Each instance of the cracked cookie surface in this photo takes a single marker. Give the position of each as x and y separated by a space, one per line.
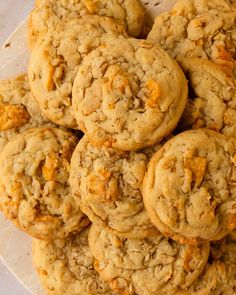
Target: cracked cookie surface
65 267
18 109
156 265
189 188
130 98
212 101
35 194
55 61
107 184
49 13
204 29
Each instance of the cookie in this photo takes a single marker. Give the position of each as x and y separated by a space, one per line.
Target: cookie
128 94
156 265
49 13
212 102
34 189
219 274
65 267
107 184
55 61
201 29
18 109
189 188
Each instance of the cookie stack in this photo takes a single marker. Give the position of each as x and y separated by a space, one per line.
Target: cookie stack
118 154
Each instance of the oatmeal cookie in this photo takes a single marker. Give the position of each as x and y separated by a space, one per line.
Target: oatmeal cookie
34 188
54 63
49 13
128 94
18 109
194 28
107 183
65 267
219 275
189 188
151 266
212 101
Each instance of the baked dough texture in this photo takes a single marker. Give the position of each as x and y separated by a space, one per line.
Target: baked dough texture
55 60
204 29
34 189
50 13
156 265
219 274
65 267
212 101
107 184
128 94
189 188
18 109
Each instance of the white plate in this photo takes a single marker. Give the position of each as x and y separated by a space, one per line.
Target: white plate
15 246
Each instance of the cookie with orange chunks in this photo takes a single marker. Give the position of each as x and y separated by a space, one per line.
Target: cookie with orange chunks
200 29
128 94
18 109
189 188
34 188
106 182
49 13
156 265
55 60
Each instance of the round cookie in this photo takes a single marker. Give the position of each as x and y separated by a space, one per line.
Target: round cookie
18 109
49 13
34 189
212 102
219 275
65 267
189 188
156 265
107 184
55 61
128 94
204 29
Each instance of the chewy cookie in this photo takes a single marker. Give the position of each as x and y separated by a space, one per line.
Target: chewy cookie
55 61
65 267
18 109
34 188
128 94
194 28
156 265
49 13
219 275
212 102
107 183
189 188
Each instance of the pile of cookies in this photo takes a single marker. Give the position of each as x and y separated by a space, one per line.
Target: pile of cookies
118 154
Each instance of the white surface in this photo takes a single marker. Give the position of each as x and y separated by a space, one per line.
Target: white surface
15 246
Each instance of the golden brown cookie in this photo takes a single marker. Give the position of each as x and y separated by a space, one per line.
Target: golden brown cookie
128 94
55 61
189 188
107 184
34 189
212 101
65 267
156 265
50 13
203 29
